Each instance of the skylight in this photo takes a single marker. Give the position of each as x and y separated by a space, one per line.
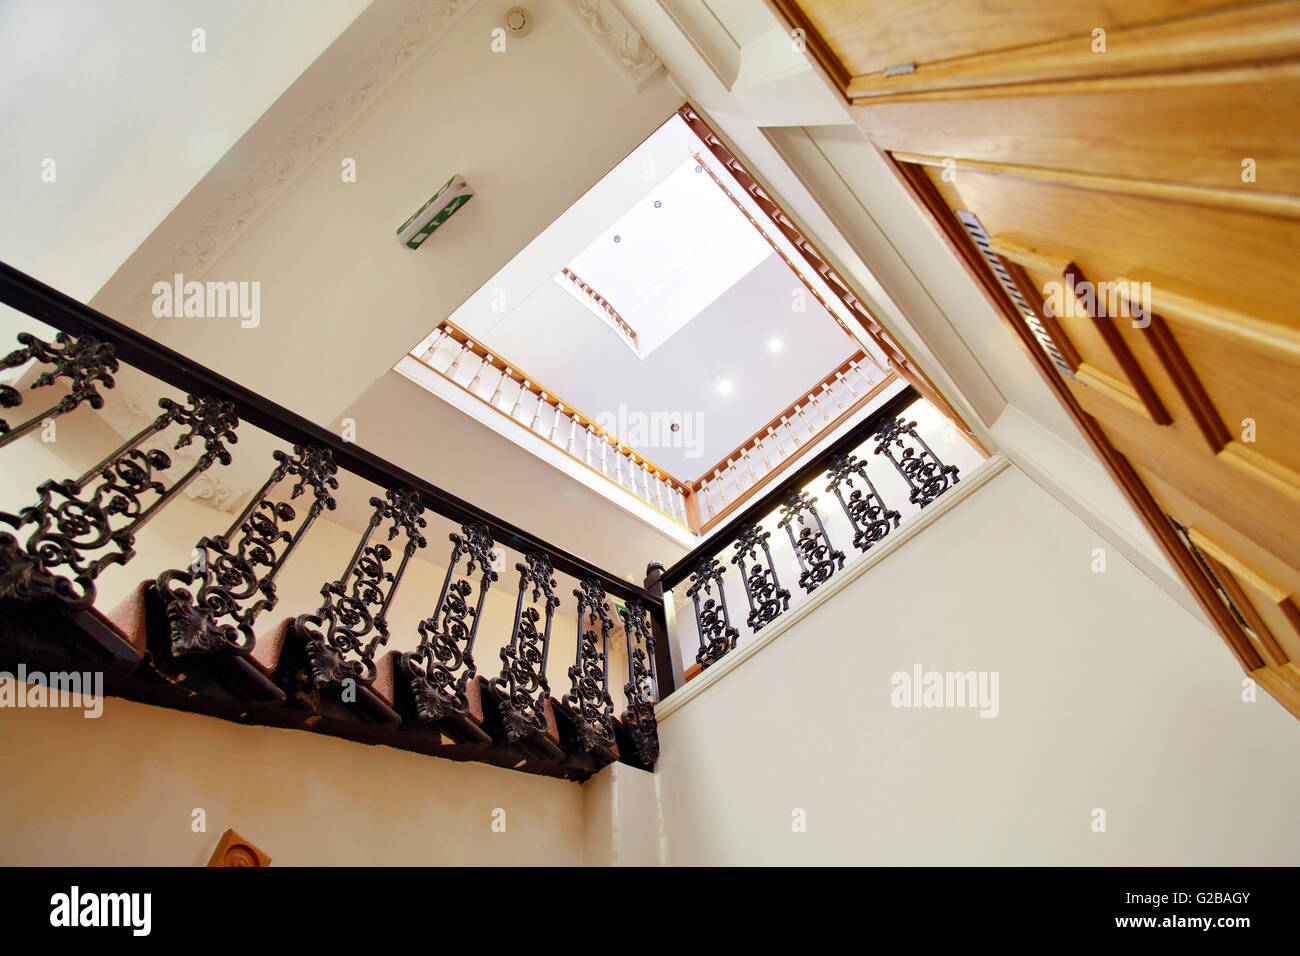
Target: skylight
665 260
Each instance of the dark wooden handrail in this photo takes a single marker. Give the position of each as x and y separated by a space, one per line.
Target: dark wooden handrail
54 308
768 502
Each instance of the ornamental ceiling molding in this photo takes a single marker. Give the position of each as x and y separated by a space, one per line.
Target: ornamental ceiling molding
620 40
320 126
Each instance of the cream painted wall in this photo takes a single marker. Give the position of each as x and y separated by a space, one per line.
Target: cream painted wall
123 789
1111 696
132 116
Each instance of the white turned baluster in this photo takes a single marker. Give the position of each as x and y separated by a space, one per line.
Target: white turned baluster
604 457
537 413
790 428
505 377
722 490
708 504
589 436
839 377
659 490
524 389
573 432
735 475
817 403
753 479
762 450
486 362
645 483
827 390
455 364
804 418
618 464
776 440
436 344
555 423
678 499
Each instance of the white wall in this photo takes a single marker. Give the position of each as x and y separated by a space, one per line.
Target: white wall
1111 696
131 114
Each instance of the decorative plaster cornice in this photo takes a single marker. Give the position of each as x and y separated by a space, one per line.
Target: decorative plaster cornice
319 127
620 40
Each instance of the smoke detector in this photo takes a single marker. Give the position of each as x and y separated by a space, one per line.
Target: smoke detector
519 21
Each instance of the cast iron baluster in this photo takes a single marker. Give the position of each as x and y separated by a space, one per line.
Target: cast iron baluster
521 689
927 476
218 614
67 534
717 636
82 361
866 510
351 627
818 559
588 698
767 598
442 666
641 689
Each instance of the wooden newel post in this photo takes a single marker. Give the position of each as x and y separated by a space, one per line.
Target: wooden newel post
663 626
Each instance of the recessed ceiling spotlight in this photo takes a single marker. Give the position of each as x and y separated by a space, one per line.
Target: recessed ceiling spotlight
658 204
699 169
725 385
618 238
775 345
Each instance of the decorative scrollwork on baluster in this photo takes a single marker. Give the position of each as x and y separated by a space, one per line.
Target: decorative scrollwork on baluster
818 558
354 615
871 518
641 689
82 361
926 475
767 598
717 636
237 576
521 689
588 698
95 522
442 666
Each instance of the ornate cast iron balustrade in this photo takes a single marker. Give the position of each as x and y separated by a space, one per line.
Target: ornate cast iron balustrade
640 690
588 699
521 689
766 597
818 558
442 666
202 626
80 526
717 636
236 571
871 518
844 473
82 362
351 625
906 451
